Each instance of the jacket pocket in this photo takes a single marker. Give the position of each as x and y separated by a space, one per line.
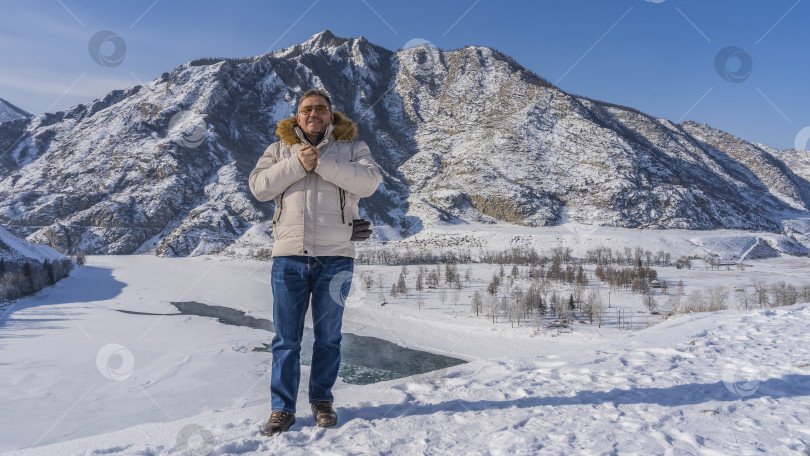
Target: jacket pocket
287 217
330 232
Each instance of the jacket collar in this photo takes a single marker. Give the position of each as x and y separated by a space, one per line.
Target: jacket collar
342 129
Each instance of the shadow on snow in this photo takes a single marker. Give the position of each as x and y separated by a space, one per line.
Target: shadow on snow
793 385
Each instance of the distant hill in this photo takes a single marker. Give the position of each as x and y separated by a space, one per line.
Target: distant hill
10 112
15 249
465 135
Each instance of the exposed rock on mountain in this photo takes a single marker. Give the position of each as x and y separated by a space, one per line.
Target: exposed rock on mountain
462 135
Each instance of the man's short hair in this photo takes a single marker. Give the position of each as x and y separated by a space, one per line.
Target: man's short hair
316 93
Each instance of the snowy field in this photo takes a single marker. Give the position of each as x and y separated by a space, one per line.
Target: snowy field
78 377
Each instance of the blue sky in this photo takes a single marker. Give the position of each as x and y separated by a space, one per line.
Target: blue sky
663 57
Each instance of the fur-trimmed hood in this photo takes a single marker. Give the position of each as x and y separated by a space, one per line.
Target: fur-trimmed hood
343 129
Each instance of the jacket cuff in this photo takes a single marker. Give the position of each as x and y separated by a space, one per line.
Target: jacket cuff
295 167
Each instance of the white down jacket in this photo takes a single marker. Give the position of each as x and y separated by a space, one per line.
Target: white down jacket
314 211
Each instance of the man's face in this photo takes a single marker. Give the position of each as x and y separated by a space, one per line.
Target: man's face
317 119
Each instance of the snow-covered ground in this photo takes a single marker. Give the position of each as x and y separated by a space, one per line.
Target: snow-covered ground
78 377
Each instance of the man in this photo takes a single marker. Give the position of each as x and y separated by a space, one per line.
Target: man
316 175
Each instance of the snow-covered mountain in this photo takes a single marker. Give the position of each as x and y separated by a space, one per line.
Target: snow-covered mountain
466 135
10 112
16 250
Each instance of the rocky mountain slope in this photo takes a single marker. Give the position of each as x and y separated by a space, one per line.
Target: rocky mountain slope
16 250
10 112
461 135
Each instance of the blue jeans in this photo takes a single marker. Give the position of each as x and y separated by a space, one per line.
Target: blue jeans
296 279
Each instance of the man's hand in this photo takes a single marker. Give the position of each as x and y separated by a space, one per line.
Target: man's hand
308 155
361 230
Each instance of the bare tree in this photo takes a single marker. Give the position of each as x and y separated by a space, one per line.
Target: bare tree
674 303
477 303
718 298
515 306
505 305
761 292
747 300
805 294
492 307
433 279
381 284
11 286
649 300
450 273
695 302
589 307
494 284
367 279
784 294
598 310
402 287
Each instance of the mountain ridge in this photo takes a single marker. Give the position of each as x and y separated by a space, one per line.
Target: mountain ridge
9 112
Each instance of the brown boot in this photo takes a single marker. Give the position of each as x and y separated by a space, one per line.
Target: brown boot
279 422
325 415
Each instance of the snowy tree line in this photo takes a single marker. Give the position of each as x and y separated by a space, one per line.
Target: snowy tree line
635 279
392 256
503 297
553 284
522 256
758 295
776 294
21 279
554 287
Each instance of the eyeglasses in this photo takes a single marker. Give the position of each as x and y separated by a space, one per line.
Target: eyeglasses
320 109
